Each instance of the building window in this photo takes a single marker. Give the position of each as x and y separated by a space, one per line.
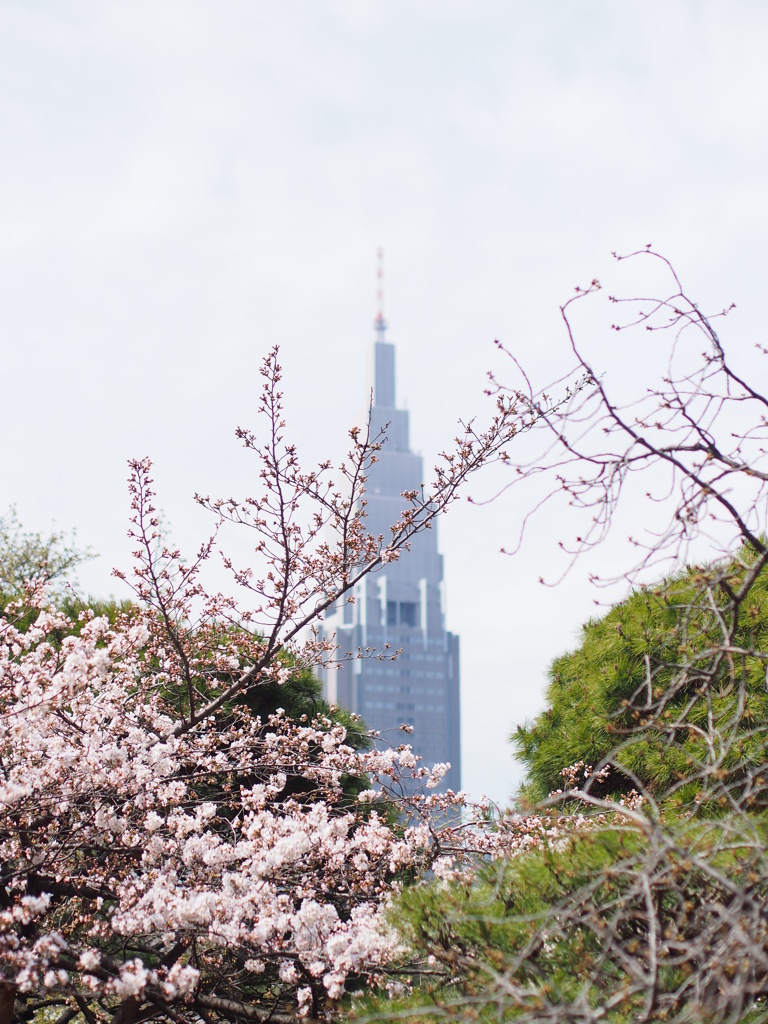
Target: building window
391 613
409 613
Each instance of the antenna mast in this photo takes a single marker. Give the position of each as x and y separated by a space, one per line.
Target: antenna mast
379 323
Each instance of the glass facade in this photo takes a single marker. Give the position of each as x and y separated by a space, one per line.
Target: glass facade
399 608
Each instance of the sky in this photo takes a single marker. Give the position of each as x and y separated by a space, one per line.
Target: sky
184 184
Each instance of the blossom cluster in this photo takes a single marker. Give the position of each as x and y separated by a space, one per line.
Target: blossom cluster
122 832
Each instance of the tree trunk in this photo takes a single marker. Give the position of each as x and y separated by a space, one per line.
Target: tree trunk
7 1000
127 1011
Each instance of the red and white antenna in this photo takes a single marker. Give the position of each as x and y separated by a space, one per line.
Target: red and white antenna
380 323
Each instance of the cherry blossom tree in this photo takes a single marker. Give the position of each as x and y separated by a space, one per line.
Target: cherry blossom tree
165 852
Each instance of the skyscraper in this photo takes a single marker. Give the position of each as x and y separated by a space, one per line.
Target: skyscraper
400 605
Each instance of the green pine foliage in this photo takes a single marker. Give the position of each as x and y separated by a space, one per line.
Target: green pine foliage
550 935
302 695
489 959
301 698
648 679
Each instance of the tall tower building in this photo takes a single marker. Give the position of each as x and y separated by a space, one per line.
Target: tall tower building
400 605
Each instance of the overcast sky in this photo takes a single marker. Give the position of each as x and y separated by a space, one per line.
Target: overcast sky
184 184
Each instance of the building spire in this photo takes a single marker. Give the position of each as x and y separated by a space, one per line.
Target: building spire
384 353
379 323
